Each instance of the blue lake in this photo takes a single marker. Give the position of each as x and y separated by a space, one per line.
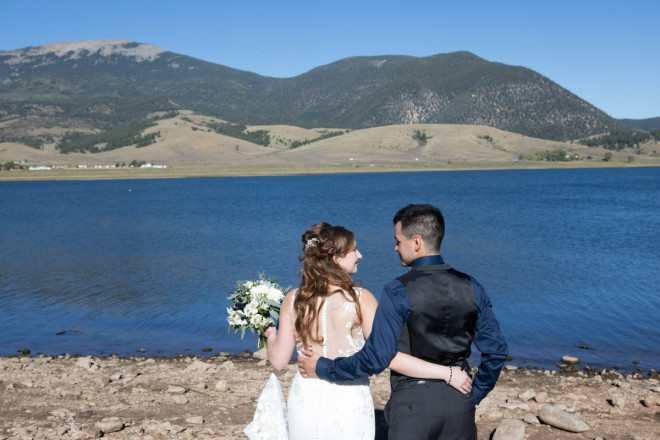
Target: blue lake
568 257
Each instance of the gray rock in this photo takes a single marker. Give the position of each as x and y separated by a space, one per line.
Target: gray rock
510 429
85 363
541 397
102 381
651 400
131 372
553 416
196 420
74 392
571 360
261 354
176 389
494 415
531 419
515 405
617 400
227 365
527 395
110 425
198 365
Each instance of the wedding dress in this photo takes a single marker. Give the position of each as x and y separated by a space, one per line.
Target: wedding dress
320 410
317 409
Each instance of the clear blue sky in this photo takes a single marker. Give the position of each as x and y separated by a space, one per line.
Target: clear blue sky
606 52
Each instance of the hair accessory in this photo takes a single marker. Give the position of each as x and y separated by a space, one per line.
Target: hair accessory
311 243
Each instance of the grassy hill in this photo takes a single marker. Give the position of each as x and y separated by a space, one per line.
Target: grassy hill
188 147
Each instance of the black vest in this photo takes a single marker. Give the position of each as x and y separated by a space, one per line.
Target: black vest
443 316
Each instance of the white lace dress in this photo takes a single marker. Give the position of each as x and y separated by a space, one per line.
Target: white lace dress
318 409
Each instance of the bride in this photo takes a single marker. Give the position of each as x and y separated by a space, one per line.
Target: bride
331 315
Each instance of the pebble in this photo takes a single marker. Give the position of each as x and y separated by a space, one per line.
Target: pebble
182 400
131 372
541 397
617 400
261 354
227 365
527 395
75 392
532 419
85 363
196 420
198 365
176 389
113 424
572 360
650 400
221 386
493 415
515 405
553 416
102 381
510 429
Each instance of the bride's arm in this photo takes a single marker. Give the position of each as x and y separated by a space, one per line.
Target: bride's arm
414 367
409 365
281 341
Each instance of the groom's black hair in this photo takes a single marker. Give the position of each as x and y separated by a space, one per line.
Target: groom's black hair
423 220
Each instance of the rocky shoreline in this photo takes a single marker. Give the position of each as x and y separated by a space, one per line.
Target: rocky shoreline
67 397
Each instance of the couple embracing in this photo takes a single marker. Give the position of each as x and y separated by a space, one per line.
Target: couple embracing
422 329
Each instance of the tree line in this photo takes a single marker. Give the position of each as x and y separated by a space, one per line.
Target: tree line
617 140
78 142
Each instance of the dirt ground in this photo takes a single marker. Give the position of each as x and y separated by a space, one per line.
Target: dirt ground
214 398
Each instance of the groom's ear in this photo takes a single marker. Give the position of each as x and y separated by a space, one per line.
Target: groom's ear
418 243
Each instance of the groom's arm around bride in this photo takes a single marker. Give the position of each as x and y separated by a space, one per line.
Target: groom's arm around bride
435 313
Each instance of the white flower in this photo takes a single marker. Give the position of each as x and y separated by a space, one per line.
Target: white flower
260 290
275 294
251 308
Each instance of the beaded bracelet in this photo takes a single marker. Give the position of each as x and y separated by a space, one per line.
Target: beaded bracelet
451 373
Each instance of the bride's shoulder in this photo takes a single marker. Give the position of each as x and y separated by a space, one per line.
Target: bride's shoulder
291 294
365 294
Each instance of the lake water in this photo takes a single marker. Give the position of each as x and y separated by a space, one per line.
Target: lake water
569 257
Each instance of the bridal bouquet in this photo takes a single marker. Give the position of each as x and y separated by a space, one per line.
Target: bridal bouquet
254 305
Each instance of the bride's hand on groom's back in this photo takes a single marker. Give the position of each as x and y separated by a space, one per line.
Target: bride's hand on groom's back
307 363
461 381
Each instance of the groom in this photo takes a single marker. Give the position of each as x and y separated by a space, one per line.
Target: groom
432 312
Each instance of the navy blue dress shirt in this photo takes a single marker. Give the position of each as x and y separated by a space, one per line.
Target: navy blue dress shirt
393 312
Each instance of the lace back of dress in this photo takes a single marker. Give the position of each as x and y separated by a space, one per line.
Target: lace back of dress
337 319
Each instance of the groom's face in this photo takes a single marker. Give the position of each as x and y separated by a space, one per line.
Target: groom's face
404 246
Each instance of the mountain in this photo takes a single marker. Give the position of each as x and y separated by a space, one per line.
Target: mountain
648 124
120 87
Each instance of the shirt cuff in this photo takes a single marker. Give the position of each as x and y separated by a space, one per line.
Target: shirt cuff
323 367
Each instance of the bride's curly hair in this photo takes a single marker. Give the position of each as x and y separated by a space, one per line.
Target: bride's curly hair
319 274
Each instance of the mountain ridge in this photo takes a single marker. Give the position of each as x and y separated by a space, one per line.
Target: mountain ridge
104 85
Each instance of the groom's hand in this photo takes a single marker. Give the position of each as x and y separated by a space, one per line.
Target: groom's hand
307 363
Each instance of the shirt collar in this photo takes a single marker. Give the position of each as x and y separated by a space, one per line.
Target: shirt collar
428 260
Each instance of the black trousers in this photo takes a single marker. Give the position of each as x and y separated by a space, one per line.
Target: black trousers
430 410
